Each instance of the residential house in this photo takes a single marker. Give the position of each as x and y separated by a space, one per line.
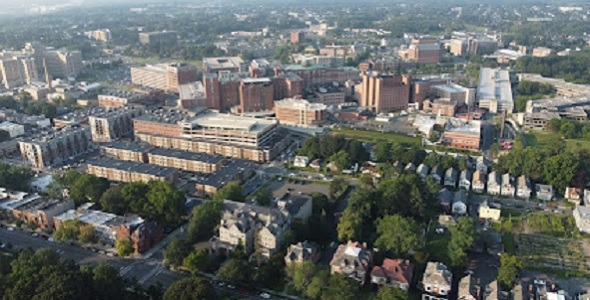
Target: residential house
437 281
482 165
494 184
244 224
410 167
423 171
371 168
492 291
445 198
489 212
518 293
316 164
352 259
574 194
393 272
468 290
478 182
582 218
437 174
303 251
465 180
523 187
300 161
460 203
451 177
508 188
544 192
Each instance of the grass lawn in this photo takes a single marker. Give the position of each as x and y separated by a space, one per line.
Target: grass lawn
538 139
375 136
437 244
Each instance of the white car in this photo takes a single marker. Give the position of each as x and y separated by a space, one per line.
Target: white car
10 229
265 296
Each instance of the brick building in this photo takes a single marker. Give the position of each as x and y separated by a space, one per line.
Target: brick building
128 171
384 93
110 124
295 111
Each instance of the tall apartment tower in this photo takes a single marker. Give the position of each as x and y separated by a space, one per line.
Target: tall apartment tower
385 93
256 94
17 71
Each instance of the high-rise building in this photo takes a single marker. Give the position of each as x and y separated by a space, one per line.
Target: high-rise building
166 77
223 65
295 111
297 37
62 63
385 93
56 147
422 51
256 94
160 37
18 70
112 123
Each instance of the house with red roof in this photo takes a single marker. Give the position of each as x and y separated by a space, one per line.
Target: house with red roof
393 272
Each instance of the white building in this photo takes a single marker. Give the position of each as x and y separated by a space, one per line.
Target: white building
494 91
437 281
582 218
13 130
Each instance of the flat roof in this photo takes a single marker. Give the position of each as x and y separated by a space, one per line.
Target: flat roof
227 173
127 145
495 84
215 120
460 126
300 103
224 62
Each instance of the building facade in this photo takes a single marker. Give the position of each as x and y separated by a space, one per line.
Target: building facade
56 147
111 124
300 112
384 93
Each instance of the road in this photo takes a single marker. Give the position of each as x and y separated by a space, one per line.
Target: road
147 271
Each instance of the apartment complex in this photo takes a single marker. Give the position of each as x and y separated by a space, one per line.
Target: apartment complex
56 147
294 111
128 151
128 171
246 224
112 123
17 70
494 91
460 134
184 160
159 37
212 133
62 63
166 77
103 35
110 227
234 170
384 93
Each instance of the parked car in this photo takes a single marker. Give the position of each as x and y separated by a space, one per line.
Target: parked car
265 296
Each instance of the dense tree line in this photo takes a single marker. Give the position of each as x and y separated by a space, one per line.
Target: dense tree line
569 129
15 178
572 68
531 90
335 147
45 275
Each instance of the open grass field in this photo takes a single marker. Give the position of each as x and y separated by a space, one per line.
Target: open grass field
376 136
542 139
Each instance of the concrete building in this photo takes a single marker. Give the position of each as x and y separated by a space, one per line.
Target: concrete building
538 120
458 47
582 218
17 70
223 65
184 160
384 93
246 224
494 91
13 130
102 35
459 134
393 272
542 52
314 75
422 51
166 77
160 37
110 124
440 107
33 208
128 151
454 92
352 259
437 281
421 87
299 112
56 147
62 63
128 171
213 133
482 46
297 37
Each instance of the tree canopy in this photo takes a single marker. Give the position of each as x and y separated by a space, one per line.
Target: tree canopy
397 234
191 288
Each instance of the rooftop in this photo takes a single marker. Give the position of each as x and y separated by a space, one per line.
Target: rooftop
133 167
495 84
227 173
300 103
220 63
460 126
186 155
126 145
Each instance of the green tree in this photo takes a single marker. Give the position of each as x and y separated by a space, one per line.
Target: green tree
113 201
197 261
383 152
204 220
124 247
397 234
176 251
340 288
301 274
87 234
509 270
166 202
264 196
191 288
235 271
134 195
318 284
68 230
560 170
107 283
338 186
231 191
88 188
391 293
462 239
341 159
